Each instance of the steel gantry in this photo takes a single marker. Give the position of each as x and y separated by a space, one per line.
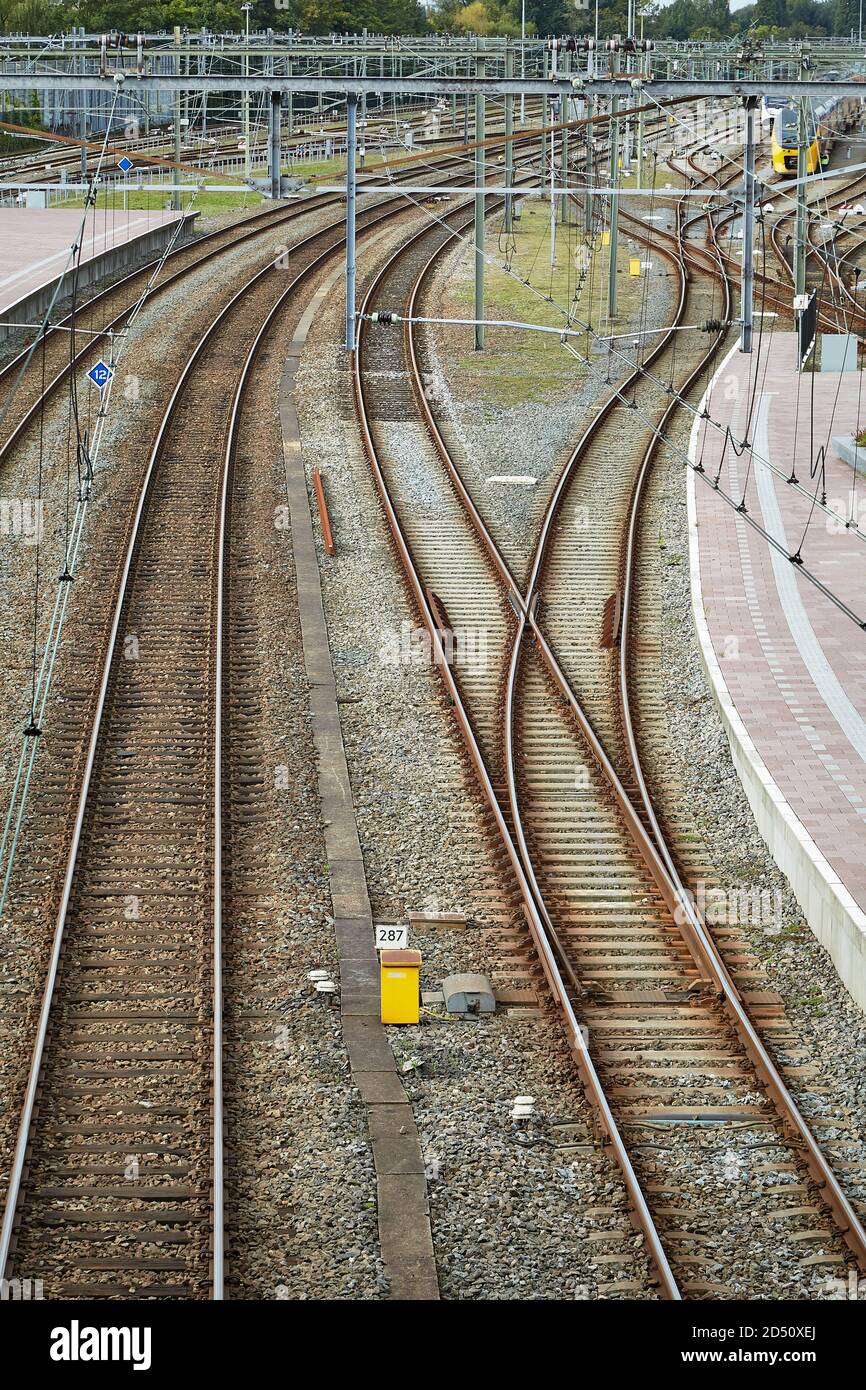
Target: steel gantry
279 71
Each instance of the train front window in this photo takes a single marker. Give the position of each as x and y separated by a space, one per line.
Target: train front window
788 129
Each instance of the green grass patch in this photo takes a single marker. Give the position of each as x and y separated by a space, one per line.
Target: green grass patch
656 174
330 170
521 365
156 200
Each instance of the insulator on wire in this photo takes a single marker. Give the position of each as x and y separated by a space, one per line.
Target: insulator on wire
713 325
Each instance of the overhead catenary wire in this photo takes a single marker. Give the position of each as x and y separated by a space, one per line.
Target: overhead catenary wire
740 446
19 793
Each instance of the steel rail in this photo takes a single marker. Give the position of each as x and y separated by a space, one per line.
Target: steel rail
29 1108
270 217
546 953
813 250
716 263
693 928
18 1165
273 218
628 566
222 553
694 931
830 1190
448 156
697 945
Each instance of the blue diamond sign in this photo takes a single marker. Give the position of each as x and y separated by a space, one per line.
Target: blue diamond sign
101 374
124 165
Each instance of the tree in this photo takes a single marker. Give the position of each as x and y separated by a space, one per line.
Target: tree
772 13
351 16
483 17
549 16
846 17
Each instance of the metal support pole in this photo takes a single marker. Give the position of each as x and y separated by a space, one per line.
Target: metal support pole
175 196
480 114
509 143
566 113
748 290
275 154
184 110
552 199
800 220
246 102
351 141
82 128
290 101
522 59
629 65
544 121
590 103
640 120
614 207
363 116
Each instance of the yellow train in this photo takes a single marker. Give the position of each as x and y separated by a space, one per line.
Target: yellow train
824 123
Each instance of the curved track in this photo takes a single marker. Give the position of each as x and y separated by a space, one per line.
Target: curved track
117 1181
547 724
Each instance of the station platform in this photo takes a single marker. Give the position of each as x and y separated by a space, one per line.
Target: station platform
35 245
788 667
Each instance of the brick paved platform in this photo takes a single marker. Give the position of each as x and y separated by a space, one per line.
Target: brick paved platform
35 245
788 668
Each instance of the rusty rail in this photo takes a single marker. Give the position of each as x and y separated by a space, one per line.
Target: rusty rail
324 516
653 849
539 927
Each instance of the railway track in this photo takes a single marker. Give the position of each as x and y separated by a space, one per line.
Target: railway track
109 310
672 1047
119 1178
117 1183
843 304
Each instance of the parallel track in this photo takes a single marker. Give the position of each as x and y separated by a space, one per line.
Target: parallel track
117 1181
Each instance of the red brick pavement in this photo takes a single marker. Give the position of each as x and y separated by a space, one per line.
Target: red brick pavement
794 664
